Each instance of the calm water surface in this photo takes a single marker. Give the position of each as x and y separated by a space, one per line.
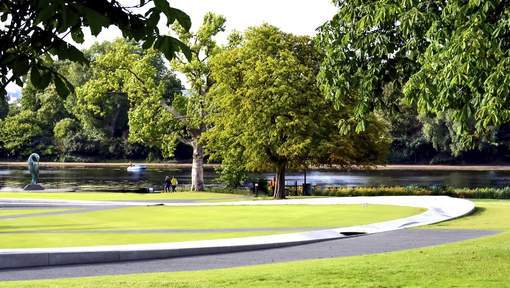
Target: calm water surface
118 179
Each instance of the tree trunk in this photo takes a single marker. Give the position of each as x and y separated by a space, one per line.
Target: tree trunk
279 191
197 169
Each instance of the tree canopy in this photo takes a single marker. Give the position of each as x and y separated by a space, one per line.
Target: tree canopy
32 32
123 78
267 112
93 122
183 117
445 57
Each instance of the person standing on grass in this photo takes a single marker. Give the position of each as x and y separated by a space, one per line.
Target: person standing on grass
166 184
174 183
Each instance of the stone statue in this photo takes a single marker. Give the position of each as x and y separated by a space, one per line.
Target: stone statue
33 167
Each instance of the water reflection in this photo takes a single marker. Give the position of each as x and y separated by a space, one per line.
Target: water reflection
118 179
403 178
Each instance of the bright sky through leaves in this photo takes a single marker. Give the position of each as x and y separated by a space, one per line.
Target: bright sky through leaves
299 17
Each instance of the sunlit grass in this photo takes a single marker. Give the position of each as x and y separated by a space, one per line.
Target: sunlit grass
10 212
50 231
483 262
104 196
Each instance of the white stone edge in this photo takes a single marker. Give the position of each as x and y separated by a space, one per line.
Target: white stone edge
439 209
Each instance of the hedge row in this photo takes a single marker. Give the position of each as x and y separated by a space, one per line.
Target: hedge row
475 193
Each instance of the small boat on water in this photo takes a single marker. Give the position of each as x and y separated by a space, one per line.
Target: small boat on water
136 168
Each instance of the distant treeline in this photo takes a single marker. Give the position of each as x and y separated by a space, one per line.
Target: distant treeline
420 140
80 127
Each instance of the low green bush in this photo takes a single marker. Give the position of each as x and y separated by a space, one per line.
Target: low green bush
478 193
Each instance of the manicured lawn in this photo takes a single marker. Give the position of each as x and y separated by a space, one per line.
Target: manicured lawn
483 262
9 212
103 196
50 231
42 240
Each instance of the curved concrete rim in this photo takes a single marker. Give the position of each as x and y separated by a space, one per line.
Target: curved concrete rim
439 208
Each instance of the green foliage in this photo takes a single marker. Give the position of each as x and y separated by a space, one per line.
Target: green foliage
197 69
36 28
20 134
370 50
264 109
50 108
164 119
93 123
409 144
465 68
123 91
232 172
447 58
62 132
473 193
152 125
29 129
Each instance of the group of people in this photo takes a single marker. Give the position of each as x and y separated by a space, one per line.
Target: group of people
170 184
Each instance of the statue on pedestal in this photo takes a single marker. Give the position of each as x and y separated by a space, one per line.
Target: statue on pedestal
33 167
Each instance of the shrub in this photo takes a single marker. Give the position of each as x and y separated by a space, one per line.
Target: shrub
480 193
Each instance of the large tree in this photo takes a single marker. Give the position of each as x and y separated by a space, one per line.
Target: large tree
122 77
166 120
267 111
31 31
448 58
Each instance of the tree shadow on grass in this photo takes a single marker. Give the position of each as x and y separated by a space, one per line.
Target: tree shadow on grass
478 211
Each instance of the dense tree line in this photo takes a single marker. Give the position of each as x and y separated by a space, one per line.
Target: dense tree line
417 139
93 122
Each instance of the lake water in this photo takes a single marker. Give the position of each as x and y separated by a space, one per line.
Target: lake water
118 179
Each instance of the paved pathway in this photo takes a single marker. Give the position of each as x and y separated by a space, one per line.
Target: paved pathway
369 244
439 208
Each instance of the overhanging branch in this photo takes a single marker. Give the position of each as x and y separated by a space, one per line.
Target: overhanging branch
173 111
185 141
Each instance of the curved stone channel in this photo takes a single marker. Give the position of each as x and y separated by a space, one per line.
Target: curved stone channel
439 208
369 244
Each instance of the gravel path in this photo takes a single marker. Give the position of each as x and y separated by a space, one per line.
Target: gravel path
369 244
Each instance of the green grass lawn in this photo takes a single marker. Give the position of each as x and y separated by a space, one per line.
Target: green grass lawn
10 212
50 231
483 262
104 196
